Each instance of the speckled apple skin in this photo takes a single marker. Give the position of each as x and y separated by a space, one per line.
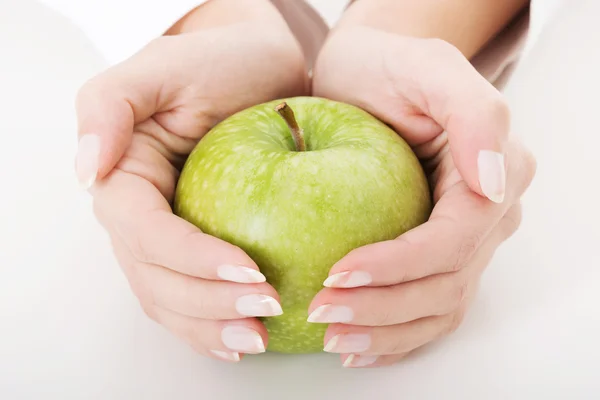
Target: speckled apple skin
297 213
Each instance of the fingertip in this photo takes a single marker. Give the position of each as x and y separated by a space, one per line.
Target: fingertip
258 305
348 279
240 274
230 356
223 260
358 361
492 175
335 279
247 336
87 160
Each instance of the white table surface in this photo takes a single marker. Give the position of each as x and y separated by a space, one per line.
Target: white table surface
70 328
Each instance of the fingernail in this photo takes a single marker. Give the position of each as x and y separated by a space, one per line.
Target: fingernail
227 355
240 274
258 305
86 162
348 343
354 361
329 313
242 339
348 279
492 175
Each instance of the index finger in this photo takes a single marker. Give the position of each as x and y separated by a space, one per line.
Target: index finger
459 223
133 208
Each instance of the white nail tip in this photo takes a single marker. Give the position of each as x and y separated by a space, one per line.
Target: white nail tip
227 355
348 279
348 343
492 175
242 339
332 343
239 274
328 313
258 305
87 160
359 361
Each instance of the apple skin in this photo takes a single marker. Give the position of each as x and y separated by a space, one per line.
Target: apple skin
297 213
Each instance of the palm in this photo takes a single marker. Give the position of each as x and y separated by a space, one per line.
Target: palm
193 96
446 118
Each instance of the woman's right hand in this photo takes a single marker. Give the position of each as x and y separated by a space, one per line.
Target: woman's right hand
139 120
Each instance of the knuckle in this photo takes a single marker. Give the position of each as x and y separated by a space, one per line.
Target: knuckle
138 249
198 302
467 247
404 244
142 291
143 236
395 346
195 335
148 310
498 108
454 321
492 108
143 294
459 292
511 221
384 315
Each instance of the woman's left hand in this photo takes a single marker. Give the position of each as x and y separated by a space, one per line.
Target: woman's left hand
386 299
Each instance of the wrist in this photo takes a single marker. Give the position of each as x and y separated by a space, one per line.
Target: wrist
466 24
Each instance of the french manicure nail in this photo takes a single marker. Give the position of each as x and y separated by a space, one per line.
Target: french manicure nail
258 305
227 355
329 313
242 339
348 279
87 159
239 274
348 343
492 175
354 361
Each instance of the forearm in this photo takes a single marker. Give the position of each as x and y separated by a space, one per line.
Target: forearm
467 24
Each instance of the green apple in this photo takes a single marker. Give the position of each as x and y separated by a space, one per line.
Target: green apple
297 184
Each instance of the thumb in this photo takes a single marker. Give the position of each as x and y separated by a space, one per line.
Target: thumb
108 107
475 117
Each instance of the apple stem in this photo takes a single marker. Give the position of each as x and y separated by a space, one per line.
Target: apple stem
287 114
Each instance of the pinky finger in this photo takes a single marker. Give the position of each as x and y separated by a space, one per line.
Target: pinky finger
224 340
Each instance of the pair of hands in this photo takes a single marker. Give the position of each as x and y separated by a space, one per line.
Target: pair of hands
140 119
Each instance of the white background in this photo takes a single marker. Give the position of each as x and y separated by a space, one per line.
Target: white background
70 329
